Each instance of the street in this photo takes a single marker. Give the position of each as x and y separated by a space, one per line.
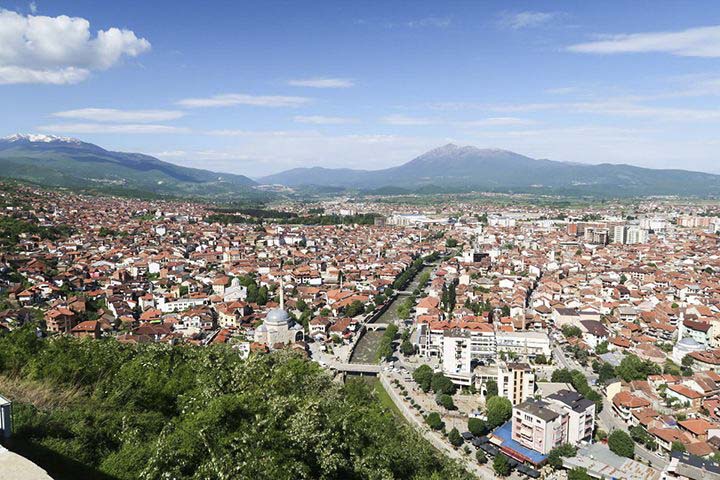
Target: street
608 419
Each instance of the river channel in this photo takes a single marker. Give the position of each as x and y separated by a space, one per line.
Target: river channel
366 348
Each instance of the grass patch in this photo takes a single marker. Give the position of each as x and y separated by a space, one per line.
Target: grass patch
41 395
385 400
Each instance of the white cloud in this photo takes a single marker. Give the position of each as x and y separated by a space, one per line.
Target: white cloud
693 42
33 7
527 19
562 90
438 22
497 122
59 50
425 22
611 107
261 134
120 116
230 99
629 109
322 120
322 82
407 121
106 128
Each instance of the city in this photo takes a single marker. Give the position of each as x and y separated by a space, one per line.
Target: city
376 240
554 339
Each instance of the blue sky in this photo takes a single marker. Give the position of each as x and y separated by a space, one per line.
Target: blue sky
258 87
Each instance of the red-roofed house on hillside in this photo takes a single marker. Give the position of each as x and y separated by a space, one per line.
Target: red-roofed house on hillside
89 328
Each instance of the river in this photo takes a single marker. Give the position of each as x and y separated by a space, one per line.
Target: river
366 348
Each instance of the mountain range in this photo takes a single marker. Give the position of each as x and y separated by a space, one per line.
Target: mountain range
463 168
69 162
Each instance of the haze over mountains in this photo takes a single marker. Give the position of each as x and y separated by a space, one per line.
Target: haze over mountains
69 162
457 168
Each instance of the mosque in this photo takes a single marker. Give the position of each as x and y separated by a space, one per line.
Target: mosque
276 328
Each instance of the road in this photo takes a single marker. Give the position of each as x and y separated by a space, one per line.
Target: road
572 364
608 419
483 472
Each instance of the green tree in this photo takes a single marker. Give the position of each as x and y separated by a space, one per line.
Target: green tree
407 348
434 421
633 368
481 457
561 375
442 384
445 401
423 377
687 361
578 473
678 446
501 465
454 438
606 372
602 348
477 426
177 411
556 455
499 410
355 308
491 387
621 444
571 331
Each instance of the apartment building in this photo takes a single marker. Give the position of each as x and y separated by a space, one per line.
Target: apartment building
515 381
629 234
432 336
563 417
456 356
635 235
527 344
539 425
580 412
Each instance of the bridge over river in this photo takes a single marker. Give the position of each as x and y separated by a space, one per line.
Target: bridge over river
356 368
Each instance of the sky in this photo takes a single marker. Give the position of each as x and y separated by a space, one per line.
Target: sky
259 87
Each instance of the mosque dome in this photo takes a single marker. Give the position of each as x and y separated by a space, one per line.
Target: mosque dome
277 317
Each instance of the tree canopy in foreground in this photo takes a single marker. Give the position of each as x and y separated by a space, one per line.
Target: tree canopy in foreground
160 411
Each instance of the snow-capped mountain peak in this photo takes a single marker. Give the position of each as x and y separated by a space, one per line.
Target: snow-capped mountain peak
39 138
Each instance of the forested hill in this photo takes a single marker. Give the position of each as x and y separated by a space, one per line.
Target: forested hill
159 412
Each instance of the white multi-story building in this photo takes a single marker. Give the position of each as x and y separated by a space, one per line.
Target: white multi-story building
432 336
655 224
563 417
456 356
635 234
515 381
526 344
539 426
580 412
619 234
181 304
629 234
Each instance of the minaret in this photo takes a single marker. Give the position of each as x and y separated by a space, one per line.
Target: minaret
282 294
